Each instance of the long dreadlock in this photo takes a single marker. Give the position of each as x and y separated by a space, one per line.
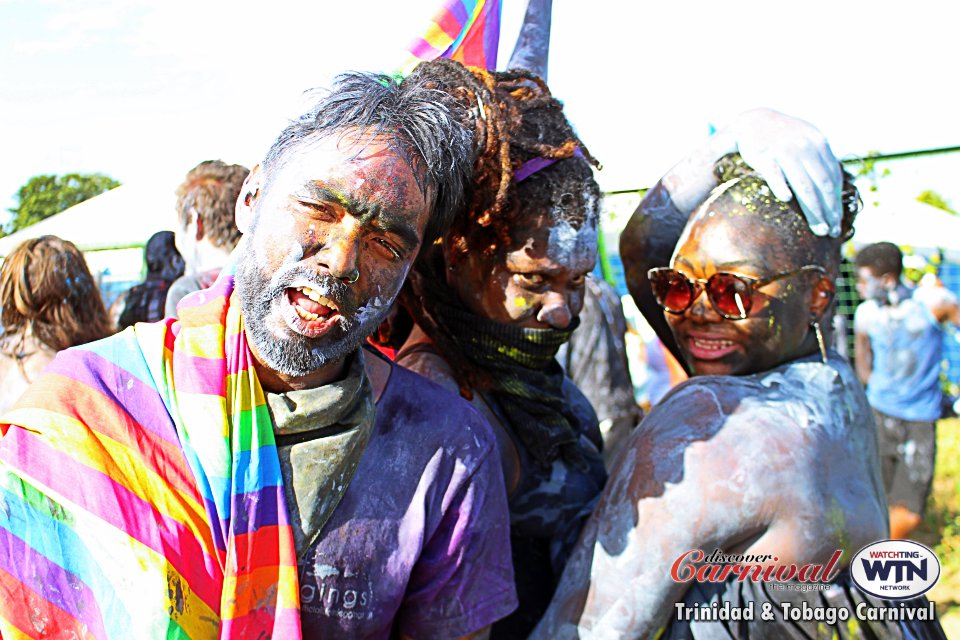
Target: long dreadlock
514 118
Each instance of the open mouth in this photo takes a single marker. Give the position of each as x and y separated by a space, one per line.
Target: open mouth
309 312
703 348
310 305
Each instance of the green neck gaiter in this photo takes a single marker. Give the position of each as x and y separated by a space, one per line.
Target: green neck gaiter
521 374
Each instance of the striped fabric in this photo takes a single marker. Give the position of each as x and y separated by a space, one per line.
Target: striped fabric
140 490
467 31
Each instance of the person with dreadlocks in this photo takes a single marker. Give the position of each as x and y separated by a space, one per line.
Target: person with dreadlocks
495 300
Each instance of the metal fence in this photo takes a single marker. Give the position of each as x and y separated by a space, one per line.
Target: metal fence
950 277
847 301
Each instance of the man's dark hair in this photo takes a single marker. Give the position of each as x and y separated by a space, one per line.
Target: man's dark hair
422 122
882 258
210 192
162 257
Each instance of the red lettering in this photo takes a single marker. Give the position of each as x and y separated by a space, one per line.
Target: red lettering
724 572
828 574
695 556
709 572
805 569
783 578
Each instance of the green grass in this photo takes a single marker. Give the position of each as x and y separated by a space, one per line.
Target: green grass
941 526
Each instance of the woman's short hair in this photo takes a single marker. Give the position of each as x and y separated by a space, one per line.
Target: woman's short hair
46 289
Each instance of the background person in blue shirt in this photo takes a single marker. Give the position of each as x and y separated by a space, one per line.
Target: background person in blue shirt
899 349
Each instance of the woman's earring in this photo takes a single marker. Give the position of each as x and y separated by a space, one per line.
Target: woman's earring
823 348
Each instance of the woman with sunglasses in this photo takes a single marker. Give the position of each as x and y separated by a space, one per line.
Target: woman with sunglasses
791 155
769 451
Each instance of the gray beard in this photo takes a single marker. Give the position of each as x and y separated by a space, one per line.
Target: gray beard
298 355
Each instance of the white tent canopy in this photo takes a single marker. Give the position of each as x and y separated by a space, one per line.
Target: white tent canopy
123 217
909 223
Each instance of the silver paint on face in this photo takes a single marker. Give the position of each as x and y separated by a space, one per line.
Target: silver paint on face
571 246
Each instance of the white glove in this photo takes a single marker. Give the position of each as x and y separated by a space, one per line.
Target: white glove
788 151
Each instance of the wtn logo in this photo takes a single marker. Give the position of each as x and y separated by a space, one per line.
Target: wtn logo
903 570
895 569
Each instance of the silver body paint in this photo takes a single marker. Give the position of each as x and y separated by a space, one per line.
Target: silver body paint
781 462
569 245
374 309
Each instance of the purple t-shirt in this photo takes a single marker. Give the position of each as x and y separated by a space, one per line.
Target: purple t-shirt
420 542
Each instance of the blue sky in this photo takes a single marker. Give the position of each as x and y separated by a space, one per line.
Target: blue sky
143 90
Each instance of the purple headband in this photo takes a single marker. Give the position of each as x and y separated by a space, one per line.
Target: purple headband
539 163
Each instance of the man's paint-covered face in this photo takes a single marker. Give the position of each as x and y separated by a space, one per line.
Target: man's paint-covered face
537 282
870 286
332 233
779 317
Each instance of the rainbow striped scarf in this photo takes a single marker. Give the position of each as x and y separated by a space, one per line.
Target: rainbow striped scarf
140 490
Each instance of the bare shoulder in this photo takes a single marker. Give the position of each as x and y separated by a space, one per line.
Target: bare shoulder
711 431
16 377
795 443
418 354
711 411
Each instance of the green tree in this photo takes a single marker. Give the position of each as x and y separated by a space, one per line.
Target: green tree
45 195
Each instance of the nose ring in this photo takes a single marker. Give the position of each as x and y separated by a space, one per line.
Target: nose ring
351 277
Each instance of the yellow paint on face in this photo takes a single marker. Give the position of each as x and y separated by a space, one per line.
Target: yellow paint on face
520 302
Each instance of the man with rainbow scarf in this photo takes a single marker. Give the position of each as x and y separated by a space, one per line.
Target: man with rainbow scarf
250 471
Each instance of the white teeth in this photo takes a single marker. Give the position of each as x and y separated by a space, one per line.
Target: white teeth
316 297
327 302
704 343
310 293
306 315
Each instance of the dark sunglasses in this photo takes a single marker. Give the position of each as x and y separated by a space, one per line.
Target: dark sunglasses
731 294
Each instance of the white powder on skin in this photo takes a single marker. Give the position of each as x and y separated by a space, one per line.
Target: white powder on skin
569 245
